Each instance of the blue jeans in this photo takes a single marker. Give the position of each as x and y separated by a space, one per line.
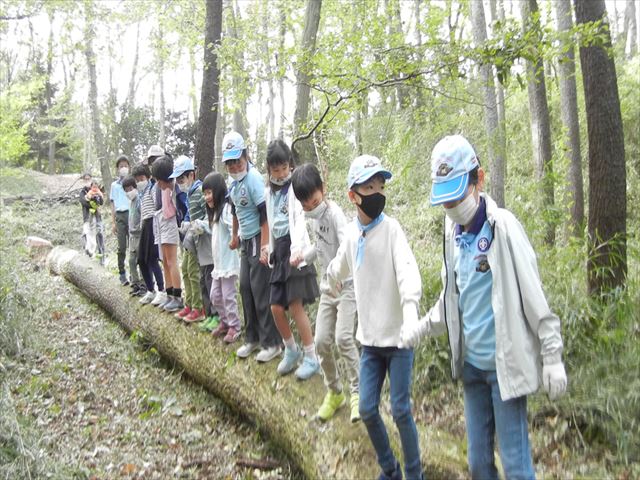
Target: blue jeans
487 414
375 362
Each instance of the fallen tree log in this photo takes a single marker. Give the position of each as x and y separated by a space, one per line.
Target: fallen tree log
282 408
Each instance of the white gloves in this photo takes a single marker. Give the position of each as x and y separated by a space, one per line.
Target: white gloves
410 332
198 227
554 380
184 227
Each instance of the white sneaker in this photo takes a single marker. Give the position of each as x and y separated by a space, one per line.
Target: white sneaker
267 354
147 298
245 350
159 299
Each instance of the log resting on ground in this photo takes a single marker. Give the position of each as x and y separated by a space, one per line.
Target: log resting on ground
281 407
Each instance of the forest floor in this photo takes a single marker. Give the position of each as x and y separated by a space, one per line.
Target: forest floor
81 399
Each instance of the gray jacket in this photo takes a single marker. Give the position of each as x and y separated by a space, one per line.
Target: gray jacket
527 332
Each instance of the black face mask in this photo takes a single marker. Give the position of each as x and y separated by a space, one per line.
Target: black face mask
372 205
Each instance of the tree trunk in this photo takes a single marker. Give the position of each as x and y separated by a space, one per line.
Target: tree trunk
540 122
205 141
240 102
131 95
51 137
630 28
220 128
160 66
569 112
279 62
303 149
281 407
90 56
492 128
271 116
193 91
607 263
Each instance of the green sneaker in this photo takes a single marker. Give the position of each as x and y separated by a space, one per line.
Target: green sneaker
355 407
209 324
331 403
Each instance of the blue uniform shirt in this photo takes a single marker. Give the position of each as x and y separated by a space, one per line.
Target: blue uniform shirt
475 280
280 212
118 197
246 195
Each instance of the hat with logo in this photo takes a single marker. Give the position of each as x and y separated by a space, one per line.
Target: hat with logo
180 165
452 159
363 168
232 146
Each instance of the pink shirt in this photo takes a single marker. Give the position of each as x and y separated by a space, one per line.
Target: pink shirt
168 205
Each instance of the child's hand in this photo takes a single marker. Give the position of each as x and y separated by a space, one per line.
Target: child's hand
264 255
554 380
234 243
296 259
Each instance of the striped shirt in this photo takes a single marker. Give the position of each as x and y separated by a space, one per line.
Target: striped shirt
197 209
147 201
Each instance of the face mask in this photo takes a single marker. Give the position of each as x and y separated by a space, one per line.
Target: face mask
317 212
123 172
372 205
132 194
142 185
463 213
280 181
238 176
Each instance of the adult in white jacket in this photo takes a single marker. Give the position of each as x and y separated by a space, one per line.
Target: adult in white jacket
504 339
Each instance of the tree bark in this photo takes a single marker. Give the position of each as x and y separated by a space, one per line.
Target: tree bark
160 66
607 263
569 113
131 95
51 137
630 28
193 90
271 116
281 407
279 63
89 35
540 122
205 141
303 149
492 127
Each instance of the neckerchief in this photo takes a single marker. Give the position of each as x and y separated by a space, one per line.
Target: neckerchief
364 229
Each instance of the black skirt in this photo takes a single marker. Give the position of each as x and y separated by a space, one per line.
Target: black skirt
290 283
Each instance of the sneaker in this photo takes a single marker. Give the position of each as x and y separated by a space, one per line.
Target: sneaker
124 281
173 305
330 405
148 297
141 291
232 335
220 330
310 366
395 475
289 361
247 349
134 290
355 407
183 313
159 298
196 315
267 354
209 324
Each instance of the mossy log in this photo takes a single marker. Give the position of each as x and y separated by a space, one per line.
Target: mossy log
281 407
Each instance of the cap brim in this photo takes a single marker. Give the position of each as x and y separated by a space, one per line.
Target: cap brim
232 154
449 191
368 175
176 174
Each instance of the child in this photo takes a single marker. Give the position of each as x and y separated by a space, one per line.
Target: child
293 281
91 198
197 263
387 284
502 334
120 215
147 249
226 262
251 234
173 209
335 321
129 186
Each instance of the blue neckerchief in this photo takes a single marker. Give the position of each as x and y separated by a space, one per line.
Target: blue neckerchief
364 229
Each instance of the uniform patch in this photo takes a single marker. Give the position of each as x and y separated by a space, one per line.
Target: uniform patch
243 201
443 170
483 244
483 265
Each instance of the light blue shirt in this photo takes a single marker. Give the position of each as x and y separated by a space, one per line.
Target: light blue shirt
475 281
246 195
280 212
118 197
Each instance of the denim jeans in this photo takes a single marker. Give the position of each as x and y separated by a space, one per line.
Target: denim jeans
487 414
375 362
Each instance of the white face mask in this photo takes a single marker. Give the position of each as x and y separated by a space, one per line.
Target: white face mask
142 185
123 172
317 212
238 176
463 213
132 194
280 181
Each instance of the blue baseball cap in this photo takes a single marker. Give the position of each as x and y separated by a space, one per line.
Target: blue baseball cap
363 168
180 165
452 159
232 146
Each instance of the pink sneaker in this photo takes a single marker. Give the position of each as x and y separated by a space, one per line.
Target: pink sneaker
183 313
232 335
220 330
196 315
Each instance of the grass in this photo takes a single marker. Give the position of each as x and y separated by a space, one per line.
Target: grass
18 181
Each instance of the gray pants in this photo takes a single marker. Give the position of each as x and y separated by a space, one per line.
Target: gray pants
335 324
134 243
122 231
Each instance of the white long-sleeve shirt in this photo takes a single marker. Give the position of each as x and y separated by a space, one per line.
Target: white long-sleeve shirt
386 283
